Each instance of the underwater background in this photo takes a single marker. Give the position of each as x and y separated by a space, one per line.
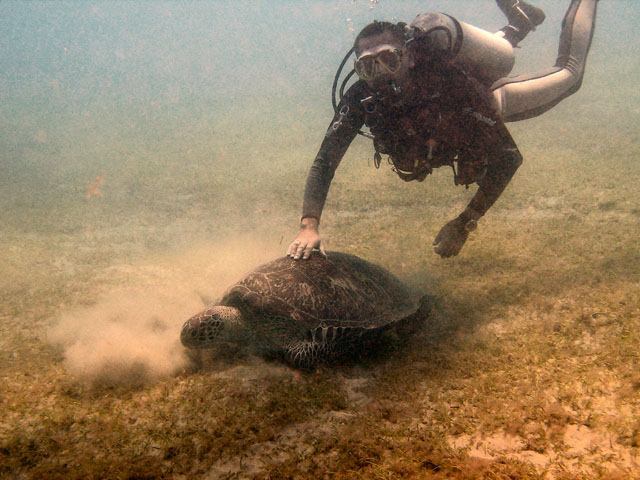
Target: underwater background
151 153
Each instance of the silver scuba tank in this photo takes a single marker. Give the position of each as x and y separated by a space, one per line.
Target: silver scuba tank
487 56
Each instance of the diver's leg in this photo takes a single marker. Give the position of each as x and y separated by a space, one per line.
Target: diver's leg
530 95
522 17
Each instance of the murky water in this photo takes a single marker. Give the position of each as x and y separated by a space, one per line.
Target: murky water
152 152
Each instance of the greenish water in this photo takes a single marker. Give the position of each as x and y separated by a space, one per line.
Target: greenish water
222 100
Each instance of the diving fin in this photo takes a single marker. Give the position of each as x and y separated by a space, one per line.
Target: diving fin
522 18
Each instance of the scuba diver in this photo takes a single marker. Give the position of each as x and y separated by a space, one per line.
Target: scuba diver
436 93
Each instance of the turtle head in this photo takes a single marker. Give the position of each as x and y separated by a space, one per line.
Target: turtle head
213 326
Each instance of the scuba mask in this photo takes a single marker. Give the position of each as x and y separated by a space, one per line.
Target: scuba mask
389 61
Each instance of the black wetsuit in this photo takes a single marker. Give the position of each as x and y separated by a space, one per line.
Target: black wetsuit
448 121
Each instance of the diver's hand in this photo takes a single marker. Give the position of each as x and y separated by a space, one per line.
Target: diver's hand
452 236
306 241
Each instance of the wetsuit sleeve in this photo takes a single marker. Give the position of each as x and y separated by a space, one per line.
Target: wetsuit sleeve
483 134
503 159
341 132
499 174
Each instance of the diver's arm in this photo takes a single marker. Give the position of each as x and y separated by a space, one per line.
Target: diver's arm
498 176
453 235
339 136
315 194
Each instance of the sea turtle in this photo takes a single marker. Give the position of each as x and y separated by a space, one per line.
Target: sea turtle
308 311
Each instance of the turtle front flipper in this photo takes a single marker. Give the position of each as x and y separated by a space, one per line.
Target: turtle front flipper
324 344
306 354
212 326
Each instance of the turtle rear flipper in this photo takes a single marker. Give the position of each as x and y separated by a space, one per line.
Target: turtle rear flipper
414 322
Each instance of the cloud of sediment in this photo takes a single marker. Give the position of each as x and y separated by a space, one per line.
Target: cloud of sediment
131 335
128 337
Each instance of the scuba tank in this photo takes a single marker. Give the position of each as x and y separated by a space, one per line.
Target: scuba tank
486 56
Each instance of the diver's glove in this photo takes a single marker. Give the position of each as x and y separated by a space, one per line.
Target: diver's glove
452 236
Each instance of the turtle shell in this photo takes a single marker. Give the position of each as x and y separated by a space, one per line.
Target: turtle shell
339 290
